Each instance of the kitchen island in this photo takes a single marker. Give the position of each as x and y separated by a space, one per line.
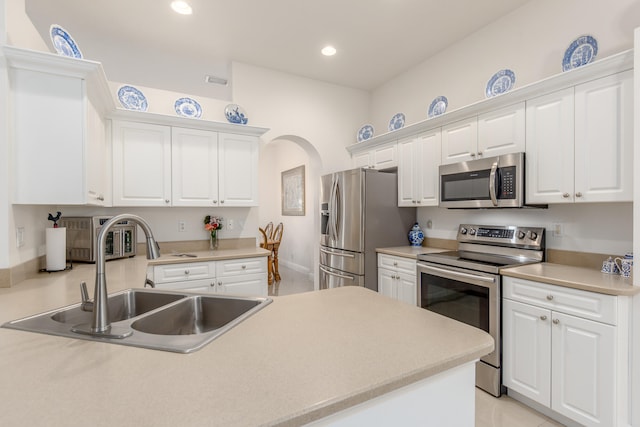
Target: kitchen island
303 358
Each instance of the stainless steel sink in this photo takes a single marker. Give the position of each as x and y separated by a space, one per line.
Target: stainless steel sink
161 320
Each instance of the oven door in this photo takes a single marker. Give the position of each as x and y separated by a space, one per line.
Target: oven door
465 295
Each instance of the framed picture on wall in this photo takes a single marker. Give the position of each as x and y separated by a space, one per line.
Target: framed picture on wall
293 192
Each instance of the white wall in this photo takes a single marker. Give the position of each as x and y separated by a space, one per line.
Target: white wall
531 41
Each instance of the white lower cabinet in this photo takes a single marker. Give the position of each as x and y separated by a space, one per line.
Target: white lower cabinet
562 349
397 278
242 276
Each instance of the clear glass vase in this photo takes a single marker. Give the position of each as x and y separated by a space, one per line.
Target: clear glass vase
213 241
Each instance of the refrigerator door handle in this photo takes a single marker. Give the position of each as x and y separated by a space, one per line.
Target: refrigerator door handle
342 254
342 276
333 211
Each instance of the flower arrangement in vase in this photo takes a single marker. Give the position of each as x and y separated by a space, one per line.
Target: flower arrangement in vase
212 224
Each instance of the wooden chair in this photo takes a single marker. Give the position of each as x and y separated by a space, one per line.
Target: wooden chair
268 245
268 230
277 237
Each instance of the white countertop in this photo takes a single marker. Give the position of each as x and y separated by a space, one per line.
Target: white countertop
409 251
301 358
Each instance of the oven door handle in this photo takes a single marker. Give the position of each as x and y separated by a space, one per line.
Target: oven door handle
450 273
492 183
336 274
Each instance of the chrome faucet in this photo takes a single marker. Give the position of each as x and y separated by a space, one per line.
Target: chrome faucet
100 325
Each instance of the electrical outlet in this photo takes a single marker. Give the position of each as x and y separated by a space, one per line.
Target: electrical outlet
557 230
19 237
429 224
230 224
182 226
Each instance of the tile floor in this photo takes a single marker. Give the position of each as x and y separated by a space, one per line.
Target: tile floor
490 411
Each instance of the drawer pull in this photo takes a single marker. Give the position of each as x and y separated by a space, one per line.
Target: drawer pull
395 264
556 321
550 297
543 317
186 272
212 284
244 266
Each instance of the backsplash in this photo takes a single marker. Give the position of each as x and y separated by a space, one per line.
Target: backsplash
599 228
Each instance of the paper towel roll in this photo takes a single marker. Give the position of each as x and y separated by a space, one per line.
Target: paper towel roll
56 241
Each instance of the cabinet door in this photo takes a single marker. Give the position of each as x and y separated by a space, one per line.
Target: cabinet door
407 172
141 164
254 285
583 362
385 157
406 288
96 157
502 131
549 150
526 348
238 170
386 279
460 141
362 160
427 160
194 167
604 139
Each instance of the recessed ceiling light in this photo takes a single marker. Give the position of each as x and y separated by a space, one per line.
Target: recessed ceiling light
181 7
328 51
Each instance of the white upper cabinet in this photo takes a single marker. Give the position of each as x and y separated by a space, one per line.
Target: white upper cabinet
238 170
604 139
498 132
382 157
141 164
158 165
58 139
418 177
580 143
194 167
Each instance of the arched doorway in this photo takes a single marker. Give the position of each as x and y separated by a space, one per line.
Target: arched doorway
300 242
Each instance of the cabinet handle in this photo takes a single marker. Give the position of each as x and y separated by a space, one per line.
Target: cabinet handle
418 202
479 153
186 272
215 202
578 194
566 195
556 321
395 264
212 284
244 266
221 201
472 154
550 297
219 283
166 200
543 317
100 197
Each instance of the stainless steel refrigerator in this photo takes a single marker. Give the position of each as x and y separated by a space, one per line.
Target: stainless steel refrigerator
359 212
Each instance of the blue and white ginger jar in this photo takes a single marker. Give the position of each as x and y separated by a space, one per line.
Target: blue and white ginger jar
416 236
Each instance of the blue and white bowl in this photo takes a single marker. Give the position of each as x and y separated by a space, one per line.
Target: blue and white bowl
501 82
132 98
581 51
187 107
63 43
396 122
365 132
236 114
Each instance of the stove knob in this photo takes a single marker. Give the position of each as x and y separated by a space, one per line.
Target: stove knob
472 231
533 235
521 234
463 230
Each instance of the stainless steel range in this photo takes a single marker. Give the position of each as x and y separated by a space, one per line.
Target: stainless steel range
465 284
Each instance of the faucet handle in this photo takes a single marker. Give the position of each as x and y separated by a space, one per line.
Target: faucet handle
83 291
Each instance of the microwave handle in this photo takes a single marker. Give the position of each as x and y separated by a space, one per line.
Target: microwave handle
492 183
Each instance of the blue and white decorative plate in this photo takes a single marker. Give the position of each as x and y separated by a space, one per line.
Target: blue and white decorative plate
187 107
581 51
235 114
501 82
63 43
365 132
438 106
132 99
396 122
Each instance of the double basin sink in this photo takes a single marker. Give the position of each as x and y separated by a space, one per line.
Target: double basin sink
161 320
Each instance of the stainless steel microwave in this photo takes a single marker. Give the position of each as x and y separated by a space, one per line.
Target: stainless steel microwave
492 182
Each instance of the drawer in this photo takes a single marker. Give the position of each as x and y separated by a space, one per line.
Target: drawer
185 271
399 264
588 305
198 285
241 266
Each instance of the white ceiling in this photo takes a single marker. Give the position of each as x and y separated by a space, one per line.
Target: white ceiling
376 39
